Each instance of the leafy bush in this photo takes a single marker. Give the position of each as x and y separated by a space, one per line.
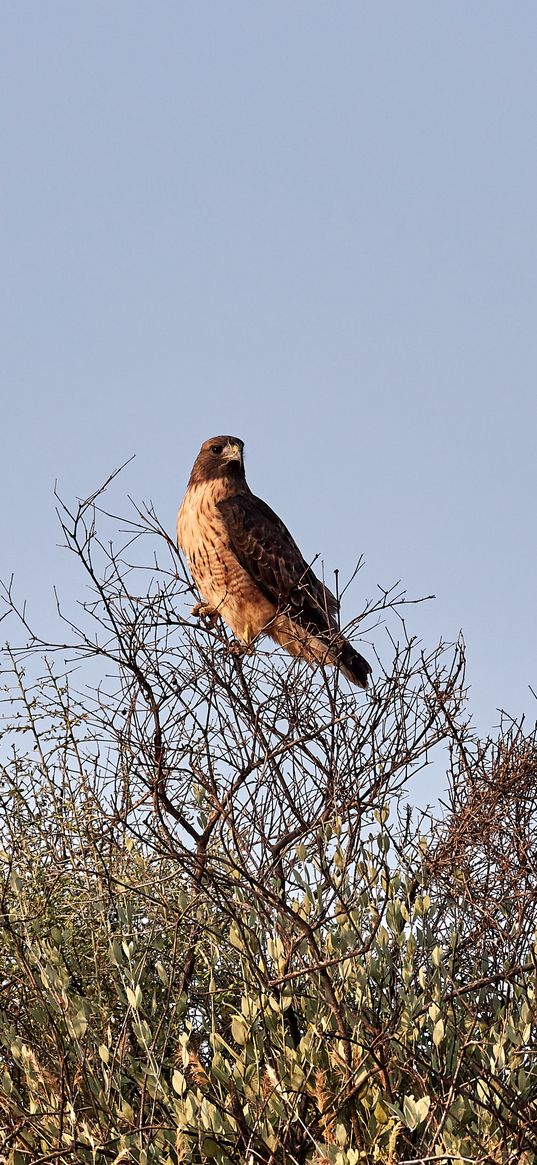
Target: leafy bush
225 935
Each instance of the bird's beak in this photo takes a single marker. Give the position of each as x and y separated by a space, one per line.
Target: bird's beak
233 452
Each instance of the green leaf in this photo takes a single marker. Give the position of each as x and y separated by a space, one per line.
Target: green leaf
211 1148
7 1083
239 1029
415 1111
135 997
438 1033
422 1108
79 1023
116 955
178 1082
235 937
341 1136
161 972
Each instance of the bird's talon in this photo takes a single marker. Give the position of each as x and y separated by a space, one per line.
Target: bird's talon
237 648
205 611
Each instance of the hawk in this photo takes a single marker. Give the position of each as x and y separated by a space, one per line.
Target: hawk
249 569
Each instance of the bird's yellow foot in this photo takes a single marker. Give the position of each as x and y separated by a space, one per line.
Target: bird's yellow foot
205 611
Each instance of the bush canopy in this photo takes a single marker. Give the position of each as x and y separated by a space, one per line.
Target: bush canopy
226 934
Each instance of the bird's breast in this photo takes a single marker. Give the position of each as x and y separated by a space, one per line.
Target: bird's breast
200 532
223 582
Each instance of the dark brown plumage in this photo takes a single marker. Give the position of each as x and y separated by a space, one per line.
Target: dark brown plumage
250 570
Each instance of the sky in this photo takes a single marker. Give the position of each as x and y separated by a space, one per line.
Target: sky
312 225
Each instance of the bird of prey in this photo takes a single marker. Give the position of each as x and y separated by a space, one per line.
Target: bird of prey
248 568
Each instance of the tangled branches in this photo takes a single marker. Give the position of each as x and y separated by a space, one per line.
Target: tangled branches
217 895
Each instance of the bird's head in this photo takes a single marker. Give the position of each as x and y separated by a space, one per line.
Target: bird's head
219 457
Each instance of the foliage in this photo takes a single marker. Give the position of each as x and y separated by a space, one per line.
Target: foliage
224 934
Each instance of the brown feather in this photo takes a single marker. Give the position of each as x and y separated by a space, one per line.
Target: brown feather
250 570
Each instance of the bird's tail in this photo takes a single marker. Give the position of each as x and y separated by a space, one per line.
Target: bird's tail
322 648
353 665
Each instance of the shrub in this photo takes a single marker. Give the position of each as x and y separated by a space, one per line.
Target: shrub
225 934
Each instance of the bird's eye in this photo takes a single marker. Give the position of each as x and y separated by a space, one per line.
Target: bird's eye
216 448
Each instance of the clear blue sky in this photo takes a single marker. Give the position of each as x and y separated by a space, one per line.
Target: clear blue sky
309 224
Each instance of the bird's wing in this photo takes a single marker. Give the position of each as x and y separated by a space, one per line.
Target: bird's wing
264 547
